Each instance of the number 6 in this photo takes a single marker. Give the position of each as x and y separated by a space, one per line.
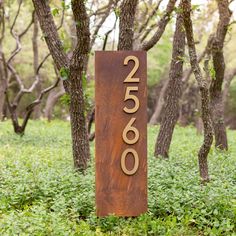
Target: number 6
130 128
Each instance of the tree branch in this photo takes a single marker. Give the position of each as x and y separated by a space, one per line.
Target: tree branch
160 26
51 36
150 16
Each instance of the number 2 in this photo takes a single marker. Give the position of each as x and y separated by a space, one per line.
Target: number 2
129 78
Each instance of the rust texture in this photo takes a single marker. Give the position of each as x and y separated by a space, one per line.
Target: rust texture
116 192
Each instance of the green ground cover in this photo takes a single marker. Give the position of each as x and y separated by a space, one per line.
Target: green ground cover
40 194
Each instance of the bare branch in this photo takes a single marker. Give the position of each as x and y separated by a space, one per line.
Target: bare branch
16 16
147 31
107 35
27 27
51 36
30 107
42 62
154 11
206 51
100 23
62 18
18 37
39 99
160 26
103 9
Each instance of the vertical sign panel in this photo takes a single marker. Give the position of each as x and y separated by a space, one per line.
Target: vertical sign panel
121 133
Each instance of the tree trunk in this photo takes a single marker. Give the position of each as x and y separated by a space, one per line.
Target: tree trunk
205 97
127 15
3 86
78 66
217 107
228 79
208 135
159 104
189 105
74 68
51 102
173 92
37 109
3 72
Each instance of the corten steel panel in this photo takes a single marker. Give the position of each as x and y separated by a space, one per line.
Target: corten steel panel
116 192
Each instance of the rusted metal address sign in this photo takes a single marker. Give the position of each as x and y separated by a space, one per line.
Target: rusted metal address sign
121 133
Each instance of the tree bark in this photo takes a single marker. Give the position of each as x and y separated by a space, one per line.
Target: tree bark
127 15
205 97
3 84
217 108
3 72
173 92
37 109
78 66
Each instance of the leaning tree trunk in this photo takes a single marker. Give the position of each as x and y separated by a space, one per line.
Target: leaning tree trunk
51 102
205 97
173 92
160 101
217 107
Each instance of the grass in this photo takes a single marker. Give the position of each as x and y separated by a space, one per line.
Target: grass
41 194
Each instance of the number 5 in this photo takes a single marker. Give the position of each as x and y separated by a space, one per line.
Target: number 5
129 96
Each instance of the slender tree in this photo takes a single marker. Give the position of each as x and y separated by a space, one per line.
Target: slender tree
186 76
204 90
173 92
217 108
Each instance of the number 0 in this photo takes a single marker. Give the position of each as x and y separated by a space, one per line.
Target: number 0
136 161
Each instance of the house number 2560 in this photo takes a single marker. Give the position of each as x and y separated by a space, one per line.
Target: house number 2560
129 127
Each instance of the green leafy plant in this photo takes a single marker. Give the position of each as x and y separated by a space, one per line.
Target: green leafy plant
41 194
